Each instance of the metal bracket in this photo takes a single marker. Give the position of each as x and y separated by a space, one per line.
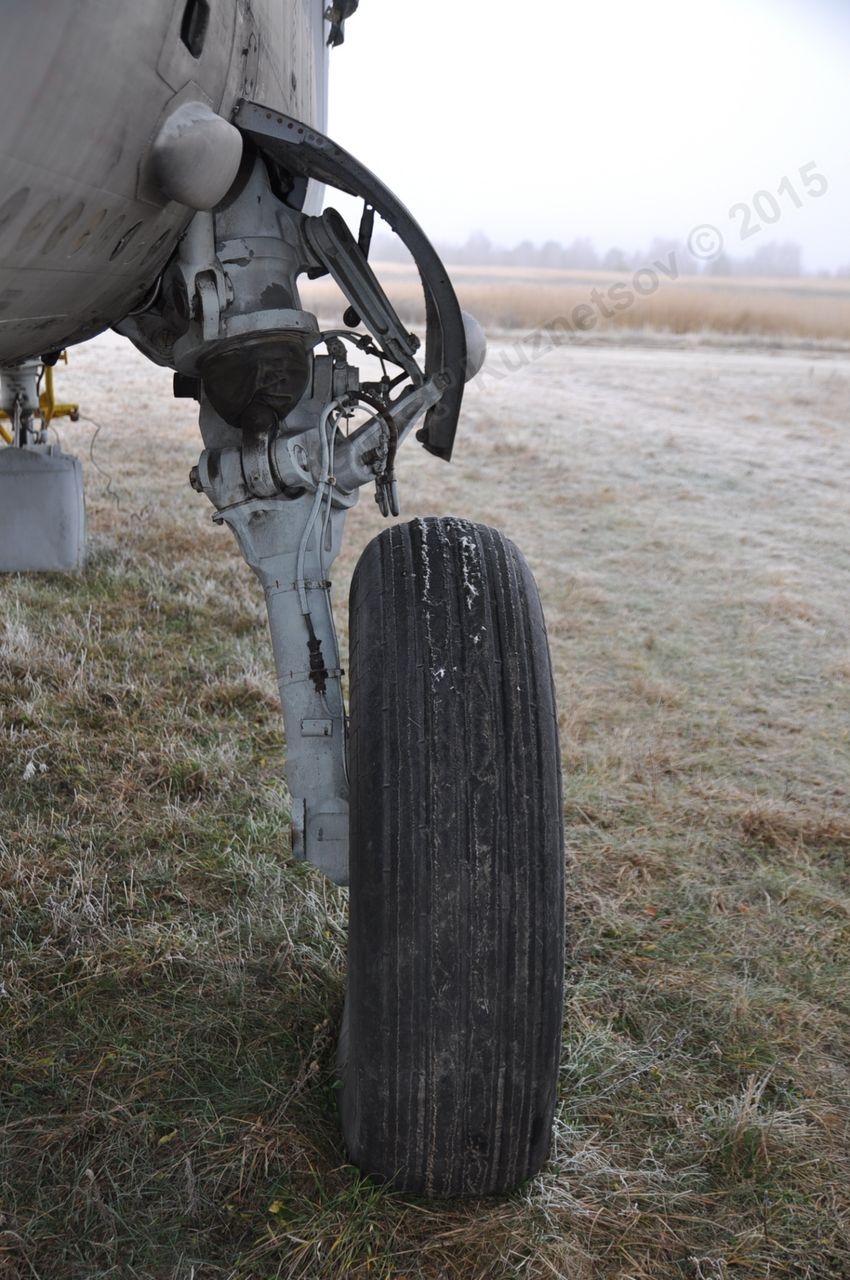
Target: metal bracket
291 145
335 247
337 14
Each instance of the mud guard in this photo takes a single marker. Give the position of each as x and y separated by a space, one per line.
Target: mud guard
303 152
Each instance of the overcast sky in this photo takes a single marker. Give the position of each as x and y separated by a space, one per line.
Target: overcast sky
618 119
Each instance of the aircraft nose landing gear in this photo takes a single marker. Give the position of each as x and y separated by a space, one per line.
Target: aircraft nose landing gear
440 805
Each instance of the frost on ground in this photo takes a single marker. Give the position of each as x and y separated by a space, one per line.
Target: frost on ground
171 983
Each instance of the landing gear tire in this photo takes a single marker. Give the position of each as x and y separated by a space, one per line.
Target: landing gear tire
450 1046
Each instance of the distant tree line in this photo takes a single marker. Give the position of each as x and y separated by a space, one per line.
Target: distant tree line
770 259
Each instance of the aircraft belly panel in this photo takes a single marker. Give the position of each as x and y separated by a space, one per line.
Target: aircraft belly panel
85 85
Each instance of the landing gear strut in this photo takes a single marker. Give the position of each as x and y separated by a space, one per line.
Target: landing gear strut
448 800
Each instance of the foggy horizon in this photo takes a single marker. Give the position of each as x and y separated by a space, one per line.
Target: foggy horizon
613 122
772 259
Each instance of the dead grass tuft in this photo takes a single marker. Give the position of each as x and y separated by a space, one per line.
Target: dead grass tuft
790 828
542 300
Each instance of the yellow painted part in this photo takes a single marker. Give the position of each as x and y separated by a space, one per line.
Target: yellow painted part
47 400
47 403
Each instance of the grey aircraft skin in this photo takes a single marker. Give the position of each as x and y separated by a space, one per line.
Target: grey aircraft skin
165 171
86 84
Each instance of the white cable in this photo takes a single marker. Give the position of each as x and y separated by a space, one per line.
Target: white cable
322 488
331 443
324 493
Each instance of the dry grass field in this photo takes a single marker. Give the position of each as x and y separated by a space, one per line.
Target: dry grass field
172 982
537 298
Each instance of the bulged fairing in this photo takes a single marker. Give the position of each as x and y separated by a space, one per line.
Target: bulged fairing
86 87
